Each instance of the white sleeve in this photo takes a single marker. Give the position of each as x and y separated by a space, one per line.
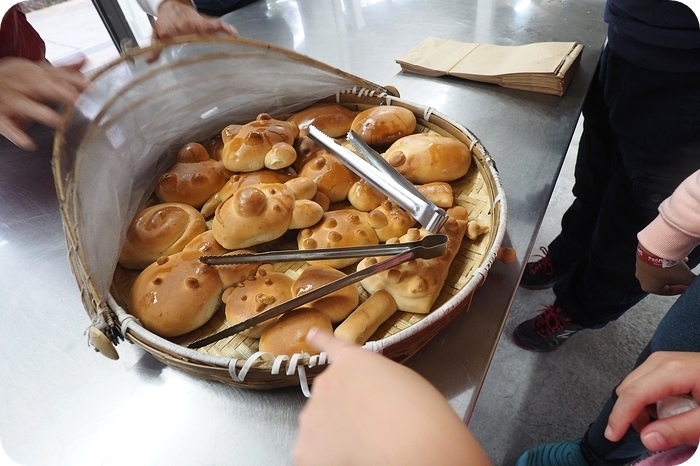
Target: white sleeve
150 6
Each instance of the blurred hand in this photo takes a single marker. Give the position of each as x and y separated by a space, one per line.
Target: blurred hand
176 18
662 375
664 281
366 409
29 91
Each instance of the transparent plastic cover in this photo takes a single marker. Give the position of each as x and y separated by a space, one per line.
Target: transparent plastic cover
126 128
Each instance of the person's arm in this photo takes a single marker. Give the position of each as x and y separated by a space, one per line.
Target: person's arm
366 409
29 92
180 17
666 241
662 375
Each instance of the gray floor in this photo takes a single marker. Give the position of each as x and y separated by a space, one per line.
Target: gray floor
531 398
528 398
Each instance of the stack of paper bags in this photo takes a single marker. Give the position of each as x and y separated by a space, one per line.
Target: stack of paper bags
546 67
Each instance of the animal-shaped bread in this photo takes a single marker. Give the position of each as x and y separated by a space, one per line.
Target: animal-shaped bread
159 230
238 180
429 157
332 177
332 119
288 334
390 221
415 285
176 294
338 229
260 213
249 298
365 197
384 124
337 305
193 178
262 143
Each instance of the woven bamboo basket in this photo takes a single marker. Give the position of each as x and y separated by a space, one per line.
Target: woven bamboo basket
124 131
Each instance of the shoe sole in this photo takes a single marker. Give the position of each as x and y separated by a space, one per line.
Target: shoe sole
519 344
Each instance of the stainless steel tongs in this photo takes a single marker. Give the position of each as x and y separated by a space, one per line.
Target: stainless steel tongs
427 248
383 177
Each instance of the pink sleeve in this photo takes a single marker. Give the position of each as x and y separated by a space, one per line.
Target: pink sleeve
676 230
673 457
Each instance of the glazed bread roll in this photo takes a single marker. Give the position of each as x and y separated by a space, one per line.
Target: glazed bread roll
260 213
253 215
439 193
332 177
246 148
175 295
159 230
363 196
239 180
384 124
260 292
337 305
206 245
338 229
332 119
366 319
390 221
429 157
288 334
193 178
415 285
306 149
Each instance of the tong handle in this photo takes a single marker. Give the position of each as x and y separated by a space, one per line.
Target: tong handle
294 255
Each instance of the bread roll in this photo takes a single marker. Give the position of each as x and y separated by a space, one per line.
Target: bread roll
253 215
429 157
159 230
260 213
175 295
338 229
206 245
384 124
390 221
246 148
366 319
239 180
439 193
337 305
415 285
306 150
249 298
193 178
230 274
288 335
332 119
363 196
332 177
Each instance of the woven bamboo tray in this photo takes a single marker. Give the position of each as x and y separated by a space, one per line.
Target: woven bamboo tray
236 361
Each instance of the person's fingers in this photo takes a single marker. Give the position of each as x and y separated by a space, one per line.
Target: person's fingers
676 430
323 340
15 135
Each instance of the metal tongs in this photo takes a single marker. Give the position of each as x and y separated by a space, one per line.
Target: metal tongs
383 177
427 248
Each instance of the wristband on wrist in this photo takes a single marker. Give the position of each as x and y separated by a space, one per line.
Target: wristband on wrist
655 261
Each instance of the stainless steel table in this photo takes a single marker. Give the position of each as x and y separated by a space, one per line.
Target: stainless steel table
63 404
